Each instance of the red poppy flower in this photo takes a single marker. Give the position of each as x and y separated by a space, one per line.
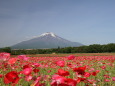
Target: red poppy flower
26 66
1 75
62 72
106 76
81 79
60 84
71 82
11 77
5 65
95 73
36 70
80 70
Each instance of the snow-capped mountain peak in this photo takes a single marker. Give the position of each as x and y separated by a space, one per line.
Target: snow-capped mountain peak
48 33
45 40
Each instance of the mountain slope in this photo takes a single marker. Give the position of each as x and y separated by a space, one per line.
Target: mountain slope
46 40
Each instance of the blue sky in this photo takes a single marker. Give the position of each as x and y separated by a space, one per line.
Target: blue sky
84 21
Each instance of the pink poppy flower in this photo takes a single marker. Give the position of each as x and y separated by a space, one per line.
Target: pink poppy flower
60 63
107 80
27 71
113 78
28 78
36 64
12 60
4 56
87 74
58 79
23 57
71 57
103 67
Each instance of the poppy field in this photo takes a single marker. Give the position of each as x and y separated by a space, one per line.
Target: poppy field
68 70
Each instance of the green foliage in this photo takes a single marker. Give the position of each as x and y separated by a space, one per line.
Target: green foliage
94 48
5 49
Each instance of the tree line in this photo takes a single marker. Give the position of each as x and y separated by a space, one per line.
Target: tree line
94 48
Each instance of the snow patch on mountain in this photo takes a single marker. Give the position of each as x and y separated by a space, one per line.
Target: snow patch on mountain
48 33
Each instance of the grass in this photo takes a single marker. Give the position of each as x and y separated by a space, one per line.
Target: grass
64 55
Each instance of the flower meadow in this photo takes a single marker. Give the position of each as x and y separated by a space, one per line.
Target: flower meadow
57 71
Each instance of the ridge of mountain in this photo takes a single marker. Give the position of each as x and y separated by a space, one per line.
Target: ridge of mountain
45 40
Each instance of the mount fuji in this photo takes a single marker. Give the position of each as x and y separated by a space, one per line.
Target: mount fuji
44 41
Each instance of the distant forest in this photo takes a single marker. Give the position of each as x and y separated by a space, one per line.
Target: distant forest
94 48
